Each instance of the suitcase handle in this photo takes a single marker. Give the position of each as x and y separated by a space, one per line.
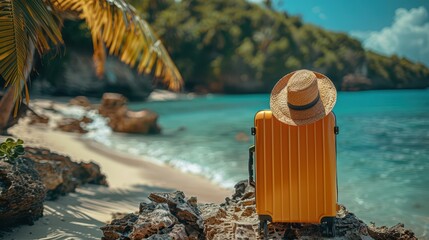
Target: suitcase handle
251 151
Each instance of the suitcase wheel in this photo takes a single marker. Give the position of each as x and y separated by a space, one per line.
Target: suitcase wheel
263 226
328 227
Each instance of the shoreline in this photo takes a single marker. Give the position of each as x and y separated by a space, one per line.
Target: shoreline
116 165
131 179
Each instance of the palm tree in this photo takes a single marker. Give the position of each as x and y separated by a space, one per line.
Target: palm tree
29 25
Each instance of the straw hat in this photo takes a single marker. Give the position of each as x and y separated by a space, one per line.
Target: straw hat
302 97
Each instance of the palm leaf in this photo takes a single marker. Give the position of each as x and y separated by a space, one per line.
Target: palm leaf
24 25
114 24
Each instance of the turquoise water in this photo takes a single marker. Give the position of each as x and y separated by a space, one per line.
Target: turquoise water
383 147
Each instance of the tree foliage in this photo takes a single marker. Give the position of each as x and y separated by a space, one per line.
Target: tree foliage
237 46
26 25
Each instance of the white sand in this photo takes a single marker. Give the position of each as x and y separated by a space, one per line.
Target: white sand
131 179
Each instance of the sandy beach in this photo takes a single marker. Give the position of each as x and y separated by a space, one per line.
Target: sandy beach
131 179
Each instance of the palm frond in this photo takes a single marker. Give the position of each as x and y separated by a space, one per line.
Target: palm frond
115 24
24 25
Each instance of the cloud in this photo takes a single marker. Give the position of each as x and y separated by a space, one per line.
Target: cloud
318 11
408 35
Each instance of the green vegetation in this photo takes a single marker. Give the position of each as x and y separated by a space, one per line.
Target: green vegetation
236 46
240 47
11 149
395 72
26 26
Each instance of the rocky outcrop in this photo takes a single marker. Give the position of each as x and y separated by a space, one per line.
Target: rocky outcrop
73 125
60 174
21 193
38 119
81 101
355 82
40 174
113 106
396 232
167 216
74 75
173 216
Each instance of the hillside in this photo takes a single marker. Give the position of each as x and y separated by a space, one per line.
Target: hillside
236 46
232 47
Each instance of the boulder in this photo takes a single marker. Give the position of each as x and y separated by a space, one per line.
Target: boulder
60 174
81 101
72 125
185 210
168 216
113 106
21 193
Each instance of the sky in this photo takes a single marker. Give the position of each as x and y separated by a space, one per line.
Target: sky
389 27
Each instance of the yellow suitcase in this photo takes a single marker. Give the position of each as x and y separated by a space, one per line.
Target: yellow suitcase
295 171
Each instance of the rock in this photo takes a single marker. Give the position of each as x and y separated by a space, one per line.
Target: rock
90 173
117 215
168 216
235 219
212 216
192 201
71 125
86 120
119 228
355 82
160 237
152 222
21 193
51 175
243 191
396 232
242 137
245 230
178 232
38 119
111 103
80 101
113 106
185 212
172 199
60 174
74 75
144 121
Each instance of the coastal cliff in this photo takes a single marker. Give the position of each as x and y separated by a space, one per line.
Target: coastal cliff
227 47
242 47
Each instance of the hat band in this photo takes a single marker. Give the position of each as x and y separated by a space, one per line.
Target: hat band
304 107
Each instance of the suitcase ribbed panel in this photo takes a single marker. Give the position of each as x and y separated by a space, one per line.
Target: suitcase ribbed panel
295 169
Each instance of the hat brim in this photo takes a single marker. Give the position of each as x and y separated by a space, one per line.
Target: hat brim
280 109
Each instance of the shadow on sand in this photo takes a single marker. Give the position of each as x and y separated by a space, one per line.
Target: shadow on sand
80 215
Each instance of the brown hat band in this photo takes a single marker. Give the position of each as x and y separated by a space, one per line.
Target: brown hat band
304 107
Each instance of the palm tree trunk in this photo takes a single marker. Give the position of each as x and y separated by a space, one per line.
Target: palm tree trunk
7 102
